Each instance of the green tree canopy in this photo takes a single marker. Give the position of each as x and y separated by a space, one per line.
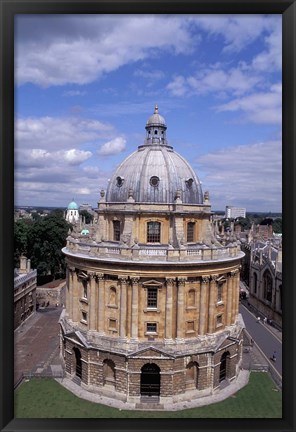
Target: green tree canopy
42 243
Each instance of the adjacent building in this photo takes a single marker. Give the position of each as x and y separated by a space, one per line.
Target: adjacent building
25 283
152 295
234 212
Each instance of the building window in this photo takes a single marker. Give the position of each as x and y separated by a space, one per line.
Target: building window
152 298
255 283
219 292
154 181
190 327
84 316
189 182
151 327
190 231
116 230
267 282
84 284
153 232
219 320
119 181
112 324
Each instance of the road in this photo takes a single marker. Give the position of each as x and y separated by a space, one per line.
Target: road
264 337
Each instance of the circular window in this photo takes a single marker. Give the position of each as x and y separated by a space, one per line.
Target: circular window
189 182
119 181
154 181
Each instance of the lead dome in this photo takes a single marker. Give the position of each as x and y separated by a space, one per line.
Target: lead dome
155 173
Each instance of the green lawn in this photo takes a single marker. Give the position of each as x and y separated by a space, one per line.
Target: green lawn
45 398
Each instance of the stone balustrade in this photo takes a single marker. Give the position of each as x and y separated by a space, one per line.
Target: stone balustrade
198 252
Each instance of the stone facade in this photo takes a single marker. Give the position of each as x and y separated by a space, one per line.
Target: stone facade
25 283
151 294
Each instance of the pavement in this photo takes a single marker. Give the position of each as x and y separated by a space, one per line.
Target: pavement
37 353
36 344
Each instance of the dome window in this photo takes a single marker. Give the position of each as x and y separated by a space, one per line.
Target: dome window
189 182
154 181
119 181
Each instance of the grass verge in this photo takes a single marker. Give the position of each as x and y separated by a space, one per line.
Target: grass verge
45 398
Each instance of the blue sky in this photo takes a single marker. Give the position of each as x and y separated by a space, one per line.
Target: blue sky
86 85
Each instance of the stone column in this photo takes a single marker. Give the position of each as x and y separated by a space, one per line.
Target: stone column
93 301
75 298
69 300
203 304
235 288
169 310
101 288
180 308
123 305
228 320
212 303
135 304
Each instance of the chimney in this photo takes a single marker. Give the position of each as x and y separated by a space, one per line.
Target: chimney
23 264
28 266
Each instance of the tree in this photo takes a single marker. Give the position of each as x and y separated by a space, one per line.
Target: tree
22 229
42 240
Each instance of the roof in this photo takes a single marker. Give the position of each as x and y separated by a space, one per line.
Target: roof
155 173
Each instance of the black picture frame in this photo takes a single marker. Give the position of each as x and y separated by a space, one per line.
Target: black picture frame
8 10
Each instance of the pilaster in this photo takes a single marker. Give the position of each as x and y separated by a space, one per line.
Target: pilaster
203 305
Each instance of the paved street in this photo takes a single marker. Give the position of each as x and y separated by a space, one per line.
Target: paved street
267 338
36 343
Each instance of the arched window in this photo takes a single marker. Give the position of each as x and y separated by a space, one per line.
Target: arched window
78 363
224 366
280 297
150 380
255 283
153 232
109 372
267 286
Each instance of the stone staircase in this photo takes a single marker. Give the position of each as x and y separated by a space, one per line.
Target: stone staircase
149 403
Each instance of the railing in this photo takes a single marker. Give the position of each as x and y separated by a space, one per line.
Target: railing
153 252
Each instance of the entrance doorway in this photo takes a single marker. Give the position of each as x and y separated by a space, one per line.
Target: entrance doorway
78 367
150 380
223 366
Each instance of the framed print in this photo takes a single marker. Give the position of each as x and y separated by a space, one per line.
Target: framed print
127 129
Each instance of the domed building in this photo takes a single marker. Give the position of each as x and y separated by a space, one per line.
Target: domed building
72 214
152 295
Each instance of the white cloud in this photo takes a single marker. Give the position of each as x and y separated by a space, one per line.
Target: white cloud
238 31
81 51
258 107
54 133
115 146
250 176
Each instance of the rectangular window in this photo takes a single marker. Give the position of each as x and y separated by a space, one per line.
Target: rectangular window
153 232
84 316
190 327
116 230
219 292
84 283
152 298
190 231
219 321
151 327
112 324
